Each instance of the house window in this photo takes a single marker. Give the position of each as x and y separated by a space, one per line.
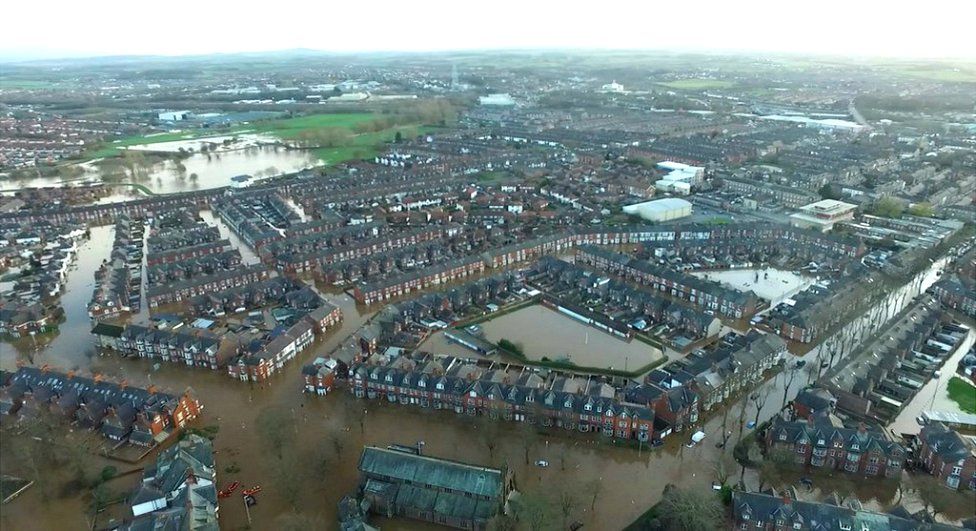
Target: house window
956 470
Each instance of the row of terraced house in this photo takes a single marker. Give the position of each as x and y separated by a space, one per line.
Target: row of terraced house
500 391
118 411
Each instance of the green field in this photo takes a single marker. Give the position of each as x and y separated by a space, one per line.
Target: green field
698 84
963 394
292 127
359 146
25 84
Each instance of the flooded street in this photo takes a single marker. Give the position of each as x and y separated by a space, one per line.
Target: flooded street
933 396
330 431
71 346
247 255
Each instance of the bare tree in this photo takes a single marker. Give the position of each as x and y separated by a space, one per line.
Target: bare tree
934 495
337 444
788 376
288 477
759 398
594 486
690 510
722 466
273 424
533 511
293 521
742 414
566 504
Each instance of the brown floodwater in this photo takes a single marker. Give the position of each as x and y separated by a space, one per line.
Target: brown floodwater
629 480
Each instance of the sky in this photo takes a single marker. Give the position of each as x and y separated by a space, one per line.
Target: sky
71 28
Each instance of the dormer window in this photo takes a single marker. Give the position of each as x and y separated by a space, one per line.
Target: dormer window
855 447
440 386
782 436
588 407
389 377
820 442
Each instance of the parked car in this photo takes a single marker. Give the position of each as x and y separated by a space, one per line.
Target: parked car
542 463
751 424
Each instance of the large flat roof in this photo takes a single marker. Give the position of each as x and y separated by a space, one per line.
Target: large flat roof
829 206
439 473
668 203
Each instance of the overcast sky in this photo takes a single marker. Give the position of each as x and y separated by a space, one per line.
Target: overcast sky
56 28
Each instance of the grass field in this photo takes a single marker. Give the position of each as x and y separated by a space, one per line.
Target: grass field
26 84
292 127
363 145
698 84
963 394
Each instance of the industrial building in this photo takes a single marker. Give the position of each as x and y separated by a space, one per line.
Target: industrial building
822 215
660 209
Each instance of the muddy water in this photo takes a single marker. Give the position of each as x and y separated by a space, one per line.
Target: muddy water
71 345
213 170
247 255
630 480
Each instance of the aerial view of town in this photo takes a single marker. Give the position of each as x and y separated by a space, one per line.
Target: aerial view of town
485 286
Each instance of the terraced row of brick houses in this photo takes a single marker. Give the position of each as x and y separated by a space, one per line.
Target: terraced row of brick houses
179 291
633 307
180 254
702 293
118 411
196 348
398 240
716 373
947 455
254 360
193 267
117 281
502 391
257 360
817 442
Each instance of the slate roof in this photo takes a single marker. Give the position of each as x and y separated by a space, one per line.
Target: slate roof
817 516
438 473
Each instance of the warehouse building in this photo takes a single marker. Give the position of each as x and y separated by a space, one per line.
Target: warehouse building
660 209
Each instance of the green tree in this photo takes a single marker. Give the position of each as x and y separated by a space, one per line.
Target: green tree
827 191
923 210
888 207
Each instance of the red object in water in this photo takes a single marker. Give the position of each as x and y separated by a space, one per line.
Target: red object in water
229 489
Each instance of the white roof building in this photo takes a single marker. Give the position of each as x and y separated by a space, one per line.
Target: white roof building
822 215
660 209
496 99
